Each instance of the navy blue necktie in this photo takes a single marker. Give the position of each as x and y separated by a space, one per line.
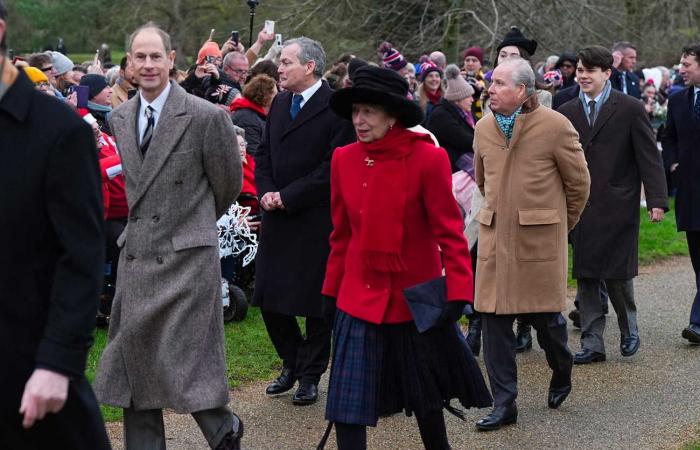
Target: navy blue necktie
696 108
296 105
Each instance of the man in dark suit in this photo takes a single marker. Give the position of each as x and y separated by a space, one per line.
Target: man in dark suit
623 77
52 257
682 156
292 174
621 152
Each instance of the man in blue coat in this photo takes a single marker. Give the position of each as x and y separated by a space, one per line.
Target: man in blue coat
682 157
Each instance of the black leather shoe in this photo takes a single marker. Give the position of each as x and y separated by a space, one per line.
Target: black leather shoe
282 383
575 317
232 439
474 340
692 333
557 396
629 345
586 356
523 339
307 394
499 416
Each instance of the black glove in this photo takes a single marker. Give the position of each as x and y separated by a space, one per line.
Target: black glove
453 311
328 309
468 310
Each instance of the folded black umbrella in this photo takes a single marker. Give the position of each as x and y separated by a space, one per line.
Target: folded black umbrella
426 302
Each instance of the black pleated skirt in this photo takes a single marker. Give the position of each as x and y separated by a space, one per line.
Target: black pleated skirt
380 370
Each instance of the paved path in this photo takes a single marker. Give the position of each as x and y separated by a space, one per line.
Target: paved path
648 401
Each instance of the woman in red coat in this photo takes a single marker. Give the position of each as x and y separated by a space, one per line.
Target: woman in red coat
396 225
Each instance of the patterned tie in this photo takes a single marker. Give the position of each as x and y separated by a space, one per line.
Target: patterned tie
148 134
296 105
591 113
696 108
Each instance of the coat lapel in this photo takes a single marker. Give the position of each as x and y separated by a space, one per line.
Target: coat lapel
316 104
123 123
580 122
172 123
605 114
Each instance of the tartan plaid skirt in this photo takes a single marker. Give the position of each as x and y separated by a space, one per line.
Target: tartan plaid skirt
379 370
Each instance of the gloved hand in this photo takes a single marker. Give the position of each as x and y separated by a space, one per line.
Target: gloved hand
468 310
453 311
328 309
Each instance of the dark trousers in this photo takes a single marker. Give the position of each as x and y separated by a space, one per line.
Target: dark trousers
621 294
694 247
78 426
144 430
306 356
113 228
499 352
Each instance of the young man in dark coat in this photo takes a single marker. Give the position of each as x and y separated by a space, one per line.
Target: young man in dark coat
682 156
621 152
292 174
52 258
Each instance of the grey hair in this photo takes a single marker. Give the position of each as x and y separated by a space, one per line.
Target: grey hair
239 131
152 26
522 74
230 56
310 50
622 46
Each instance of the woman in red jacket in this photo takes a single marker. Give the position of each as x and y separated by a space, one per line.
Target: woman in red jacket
396 225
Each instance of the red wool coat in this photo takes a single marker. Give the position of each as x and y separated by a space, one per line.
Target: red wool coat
432 223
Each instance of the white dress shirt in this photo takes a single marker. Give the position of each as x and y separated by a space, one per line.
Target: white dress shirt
157 106
307 94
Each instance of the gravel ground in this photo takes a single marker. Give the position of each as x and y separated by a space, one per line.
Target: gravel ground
648 401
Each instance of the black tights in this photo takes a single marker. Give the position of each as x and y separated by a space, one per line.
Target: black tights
431 427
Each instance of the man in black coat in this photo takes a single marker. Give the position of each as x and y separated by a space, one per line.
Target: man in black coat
292 175
623 77
52 258
682 156
621 152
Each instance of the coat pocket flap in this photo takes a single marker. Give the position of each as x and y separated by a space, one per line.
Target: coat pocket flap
196 238
540 216
484 217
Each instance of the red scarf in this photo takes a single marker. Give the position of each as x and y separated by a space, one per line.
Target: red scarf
434 97
244 103
381 234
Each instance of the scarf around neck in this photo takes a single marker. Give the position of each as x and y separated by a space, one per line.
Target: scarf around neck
382 228
506 123
435 97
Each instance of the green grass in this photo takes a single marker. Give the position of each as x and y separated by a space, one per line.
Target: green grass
692 446
79 58
250 355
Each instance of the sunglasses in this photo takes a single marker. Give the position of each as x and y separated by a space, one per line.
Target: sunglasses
47 69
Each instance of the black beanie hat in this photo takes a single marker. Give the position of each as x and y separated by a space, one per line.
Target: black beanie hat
95 82
516 37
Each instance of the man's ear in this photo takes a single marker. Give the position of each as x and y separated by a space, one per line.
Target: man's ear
310 67
171 57
2 30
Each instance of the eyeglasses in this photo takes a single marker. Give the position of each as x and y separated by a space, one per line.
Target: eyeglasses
243 145
47 69
42 85
568 66
238 71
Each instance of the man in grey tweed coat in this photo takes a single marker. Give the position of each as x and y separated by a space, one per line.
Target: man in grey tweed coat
166 339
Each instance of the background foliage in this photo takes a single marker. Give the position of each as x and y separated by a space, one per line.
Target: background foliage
659 28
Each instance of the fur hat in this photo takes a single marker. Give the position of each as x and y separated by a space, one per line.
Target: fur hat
457 87
381 87
36 75
516 37
476 52
210 48
427 66
391 58
95 82
61 63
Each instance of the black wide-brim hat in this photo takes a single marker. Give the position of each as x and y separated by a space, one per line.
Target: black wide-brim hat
381 87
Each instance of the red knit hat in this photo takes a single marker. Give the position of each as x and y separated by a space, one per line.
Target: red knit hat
476 52
210 48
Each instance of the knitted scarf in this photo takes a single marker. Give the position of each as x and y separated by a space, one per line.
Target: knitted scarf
382 229
434 97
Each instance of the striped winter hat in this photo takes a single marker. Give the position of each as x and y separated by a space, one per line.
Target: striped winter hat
391 58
